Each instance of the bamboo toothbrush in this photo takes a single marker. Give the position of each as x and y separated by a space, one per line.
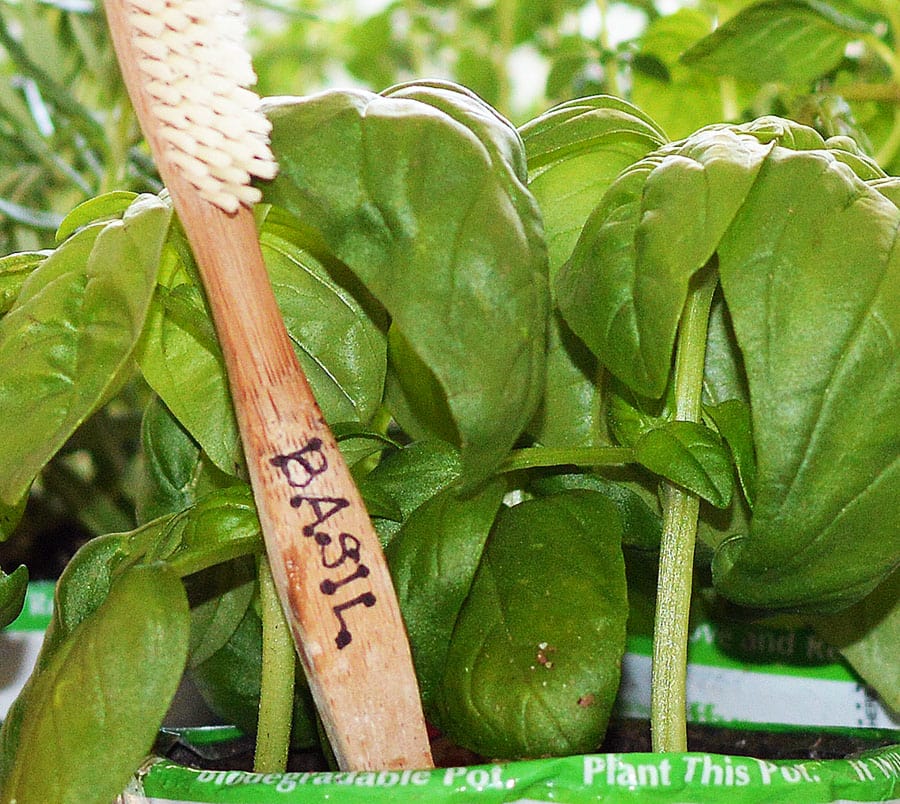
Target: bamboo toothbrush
188 76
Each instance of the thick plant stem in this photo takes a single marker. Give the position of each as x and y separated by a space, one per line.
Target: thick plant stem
668 697
276 697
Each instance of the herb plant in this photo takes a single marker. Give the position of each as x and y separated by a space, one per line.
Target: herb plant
550 354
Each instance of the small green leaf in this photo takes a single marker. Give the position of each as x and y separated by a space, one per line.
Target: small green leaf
171 459
733 421
104 207
99 700
407 478
792 41
70 334
638 506
533 665
219 527
629 416
219 598
13 588
433 559
692 456
14 270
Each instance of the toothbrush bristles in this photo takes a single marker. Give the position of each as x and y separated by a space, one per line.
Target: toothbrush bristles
198 76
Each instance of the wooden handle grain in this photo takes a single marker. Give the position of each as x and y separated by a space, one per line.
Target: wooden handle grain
326 560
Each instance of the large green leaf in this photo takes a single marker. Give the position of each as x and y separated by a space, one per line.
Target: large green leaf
811 274
433 560
792 41
341 350
805 251
421 194
574 151
533 665
70 335
625 286
99 700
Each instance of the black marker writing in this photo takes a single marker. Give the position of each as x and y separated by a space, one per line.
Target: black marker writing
300 468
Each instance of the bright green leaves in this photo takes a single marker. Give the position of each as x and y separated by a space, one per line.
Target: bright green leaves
690 455
812 279
421 194
109 684
792 41
658 225
806 253
341 349
533 666
70 334
575 150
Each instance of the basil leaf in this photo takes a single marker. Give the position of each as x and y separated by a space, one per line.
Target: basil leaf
625 287
340 349
407 478
679 98
733 421
177 473
533 665
420 195
14 270
70 335
690 455
790 41
13 588
115 674
219 527
811 276
219 597
433 559
11 515
637 506
107 206
867 635
574 151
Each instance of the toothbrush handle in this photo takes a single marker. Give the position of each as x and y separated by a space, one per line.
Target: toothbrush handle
326 560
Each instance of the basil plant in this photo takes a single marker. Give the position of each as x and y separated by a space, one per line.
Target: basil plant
544 352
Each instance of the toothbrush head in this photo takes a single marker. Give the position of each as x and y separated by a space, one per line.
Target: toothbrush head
198 76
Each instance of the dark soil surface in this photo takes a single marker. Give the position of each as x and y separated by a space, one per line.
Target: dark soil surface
623 736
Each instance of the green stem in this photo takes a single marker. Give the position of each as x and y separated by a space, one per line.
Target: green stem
610 67
535 457
668 691
276 697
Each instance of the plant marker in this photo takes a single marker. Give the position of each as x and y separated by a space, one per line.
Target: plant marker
188 76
